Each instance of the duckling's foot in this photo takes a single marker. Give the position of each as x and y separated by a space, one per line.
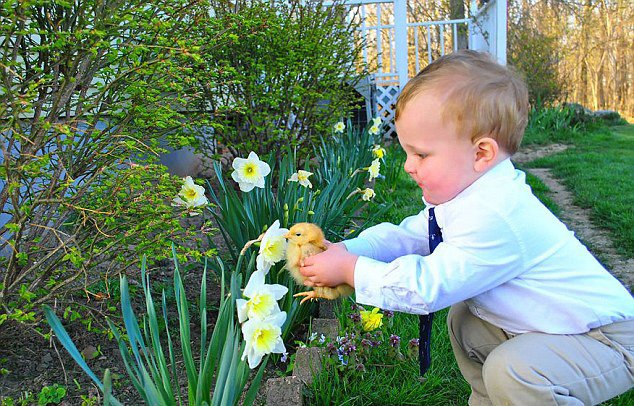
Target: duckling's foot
310 295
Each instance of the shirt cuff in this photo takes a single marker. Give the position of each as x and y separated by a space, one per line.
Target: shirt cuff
359 247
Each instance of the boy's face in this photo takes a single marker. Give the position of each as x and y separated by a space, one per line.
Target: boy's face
439 160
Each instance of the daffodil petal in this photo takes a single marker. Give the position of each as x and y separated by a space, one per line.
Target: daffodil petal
241 306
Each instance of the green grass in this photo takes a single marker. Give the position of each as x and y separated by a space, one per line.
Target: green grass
389 380
598 169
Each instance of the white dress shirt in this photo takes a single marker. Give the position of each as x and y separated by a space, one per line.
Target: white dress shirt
503 252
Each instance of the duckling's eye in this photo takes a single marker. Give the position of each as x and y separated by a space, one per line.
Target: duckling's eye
298 234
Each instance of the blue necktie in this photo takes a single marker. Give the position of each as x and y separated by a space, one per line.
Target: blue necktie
425 320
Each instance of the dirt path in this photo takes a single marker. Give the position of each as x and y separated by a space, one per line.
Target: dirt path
577 218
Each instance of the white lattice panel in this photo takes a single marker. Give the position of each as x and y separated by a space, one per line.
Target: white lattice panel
386 104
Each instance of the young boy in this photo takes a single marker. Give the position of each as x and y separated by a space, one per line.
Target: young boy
534 319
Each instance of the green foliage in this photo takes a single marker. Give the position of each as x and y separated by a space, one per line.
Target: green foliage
554 124
333 203
26 398
288 70
85 89
51 395
536 56
153 368
381 366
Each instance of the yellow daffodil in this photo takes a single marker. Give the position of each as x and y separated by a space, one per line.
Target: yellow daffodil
371 320
272 247
301 176
250 172
190 196
368 194
374 169
378 151
262 298
339 127
262 337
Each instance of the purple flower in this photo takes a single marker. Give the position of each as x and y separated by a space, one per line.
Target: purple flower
330 347
344 339
360 367
388 314
395 340
348 348
356 317
413 343
366 343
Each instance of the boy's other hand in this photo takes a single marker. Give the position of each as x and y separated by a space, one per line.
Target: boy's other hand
332 267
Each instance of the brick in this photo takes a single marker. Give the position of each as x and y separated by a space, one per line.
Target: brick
307 363
328 327
286 391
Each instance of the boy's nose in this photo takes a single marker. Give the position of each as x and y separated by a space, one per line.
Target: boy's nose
408 165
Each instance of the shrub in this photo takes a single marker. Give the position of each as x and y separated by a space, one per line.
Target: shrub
85 88
535 55
287 72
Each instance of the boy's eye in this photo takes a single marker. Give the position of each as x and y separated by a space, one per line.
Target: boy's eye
422 155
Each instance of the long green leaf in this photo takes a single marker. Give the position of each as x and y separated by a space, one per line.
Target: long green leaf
161 373
67 342
184 328
249 398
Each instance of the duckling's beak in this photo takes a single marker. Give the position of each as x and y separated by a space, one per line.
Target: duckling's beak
288 235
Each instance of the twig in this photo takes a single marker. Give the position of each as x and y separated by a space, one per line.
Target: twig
250 243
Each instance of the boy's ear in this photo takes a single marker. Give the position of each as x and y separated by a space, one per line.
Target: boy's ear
486 153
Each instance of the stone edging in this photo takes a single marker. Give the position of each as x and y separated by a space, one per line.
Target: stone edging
287 391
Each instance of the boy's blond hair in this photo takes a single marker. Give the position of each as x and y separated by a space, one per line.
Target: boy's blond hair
482 97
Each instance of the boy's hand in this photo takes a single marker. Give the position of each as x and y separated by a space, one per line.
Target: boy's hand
329 268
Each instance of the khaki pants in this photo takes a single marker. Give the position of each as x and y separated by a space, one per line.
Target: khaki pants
541 369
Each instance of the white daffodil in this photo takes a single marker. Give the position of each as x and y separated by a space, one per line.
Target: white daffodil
374 169
250 172
339 127
378 151
262 298
272 247
376 122
374 130
191 195
263 336
368 194
301 176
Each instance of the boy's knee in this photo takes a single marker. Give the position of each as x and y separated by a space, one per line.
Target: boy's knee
507 373
507 368
498 371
